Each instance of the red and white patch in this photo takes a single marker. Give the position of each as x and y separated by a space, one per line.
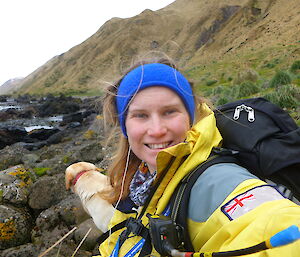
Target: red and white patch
249 200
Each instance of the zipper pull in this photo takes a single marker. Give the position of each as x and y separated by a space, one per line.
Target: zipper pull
248 109
237 111
251 117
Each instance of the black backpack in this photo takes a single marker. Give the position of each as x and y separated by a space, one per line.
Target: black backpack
257 135
266 137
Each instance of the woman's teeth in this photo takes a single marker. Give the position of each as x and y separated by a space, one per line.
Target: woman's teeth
158 146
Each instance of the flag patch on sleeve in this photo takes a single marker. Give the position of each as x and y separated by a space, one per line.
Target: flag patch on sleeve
249 200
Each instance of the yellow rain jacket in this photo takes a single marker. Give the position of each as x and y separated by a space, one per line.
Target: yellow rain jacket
217 224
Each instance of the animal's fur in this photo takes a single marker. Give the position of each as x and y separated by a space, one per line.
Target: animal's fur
89 187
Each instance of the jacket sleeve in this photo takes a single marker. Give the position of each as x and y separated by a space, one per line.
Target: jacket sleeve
231 209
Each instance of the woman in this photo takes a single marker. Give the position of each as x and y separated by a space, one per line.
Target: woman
166 133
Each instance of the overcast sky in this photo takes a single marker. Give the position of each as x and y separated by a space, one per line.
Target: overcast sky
34 31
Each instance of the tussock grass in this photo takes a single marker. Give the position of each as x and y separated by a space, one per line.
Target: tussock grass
281 78
287 96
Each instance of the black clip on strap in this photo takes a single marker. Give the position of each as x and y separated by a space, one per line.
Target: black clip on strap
133 226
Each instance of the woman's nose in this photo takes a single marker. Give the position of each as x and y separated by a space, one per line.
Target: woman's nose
157 127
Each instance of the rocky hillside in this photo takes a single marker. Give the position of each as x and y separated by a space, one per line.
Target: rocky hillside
217 36
10 85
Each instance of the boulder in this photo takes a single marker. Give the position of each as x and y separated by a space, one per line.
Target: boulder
73 117
10 135
15 226
48 238
41 134
15 183
8 114
25 114
26 250
91 152
92 238
34 146
53 106
30 159
47 191
55 222
8 156
68 212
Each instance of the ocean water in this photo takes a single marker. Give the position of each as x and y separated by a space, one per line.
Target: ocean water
29 124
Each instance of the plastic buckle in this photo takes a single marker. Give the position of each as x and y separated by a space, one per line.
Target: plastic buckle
134 226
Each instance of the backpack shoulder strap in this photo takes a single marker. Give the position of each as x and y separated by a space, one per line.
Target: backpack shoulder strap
115 228
180 199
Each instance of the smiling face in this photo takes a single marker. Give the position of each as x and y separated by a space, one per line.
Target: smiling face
156 119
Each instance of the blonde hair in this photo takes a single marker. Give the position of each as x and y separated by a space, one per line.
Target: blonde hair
116 170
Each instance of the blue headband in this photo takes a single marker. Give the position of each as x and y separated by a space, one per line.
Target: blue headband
154 74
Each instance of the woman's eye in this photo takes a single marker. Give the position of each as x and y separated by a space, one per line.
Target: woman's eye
139 115
171 111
